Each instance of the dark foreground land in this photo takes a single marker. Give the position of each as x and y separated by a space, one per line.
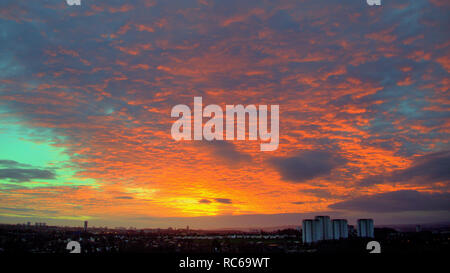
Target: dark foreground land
25 239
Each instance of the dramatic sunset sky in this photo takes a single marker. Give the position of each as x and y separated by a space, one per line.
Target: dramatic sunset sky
86 94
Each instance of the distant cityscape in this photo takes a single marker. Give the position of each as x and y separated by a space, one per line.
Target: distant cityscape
321 235
322 228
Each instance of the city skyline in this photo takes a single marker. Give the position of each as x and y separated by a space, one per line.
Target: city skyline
86 93
209 225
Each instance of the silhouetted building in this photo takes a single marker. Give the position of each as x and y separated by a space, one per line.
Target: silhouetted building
351 230
317 230
308 231
365 228
340 229
323 229
85 225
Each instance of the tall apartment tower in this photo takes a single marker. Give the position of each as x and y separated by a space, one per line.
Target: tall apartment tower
340 229
308 231
365 228
85 225
323 228
317 230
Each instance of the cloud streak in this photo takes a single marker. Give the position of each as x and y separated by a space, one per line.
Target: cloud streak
427 169
397 201
14 171
306 165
